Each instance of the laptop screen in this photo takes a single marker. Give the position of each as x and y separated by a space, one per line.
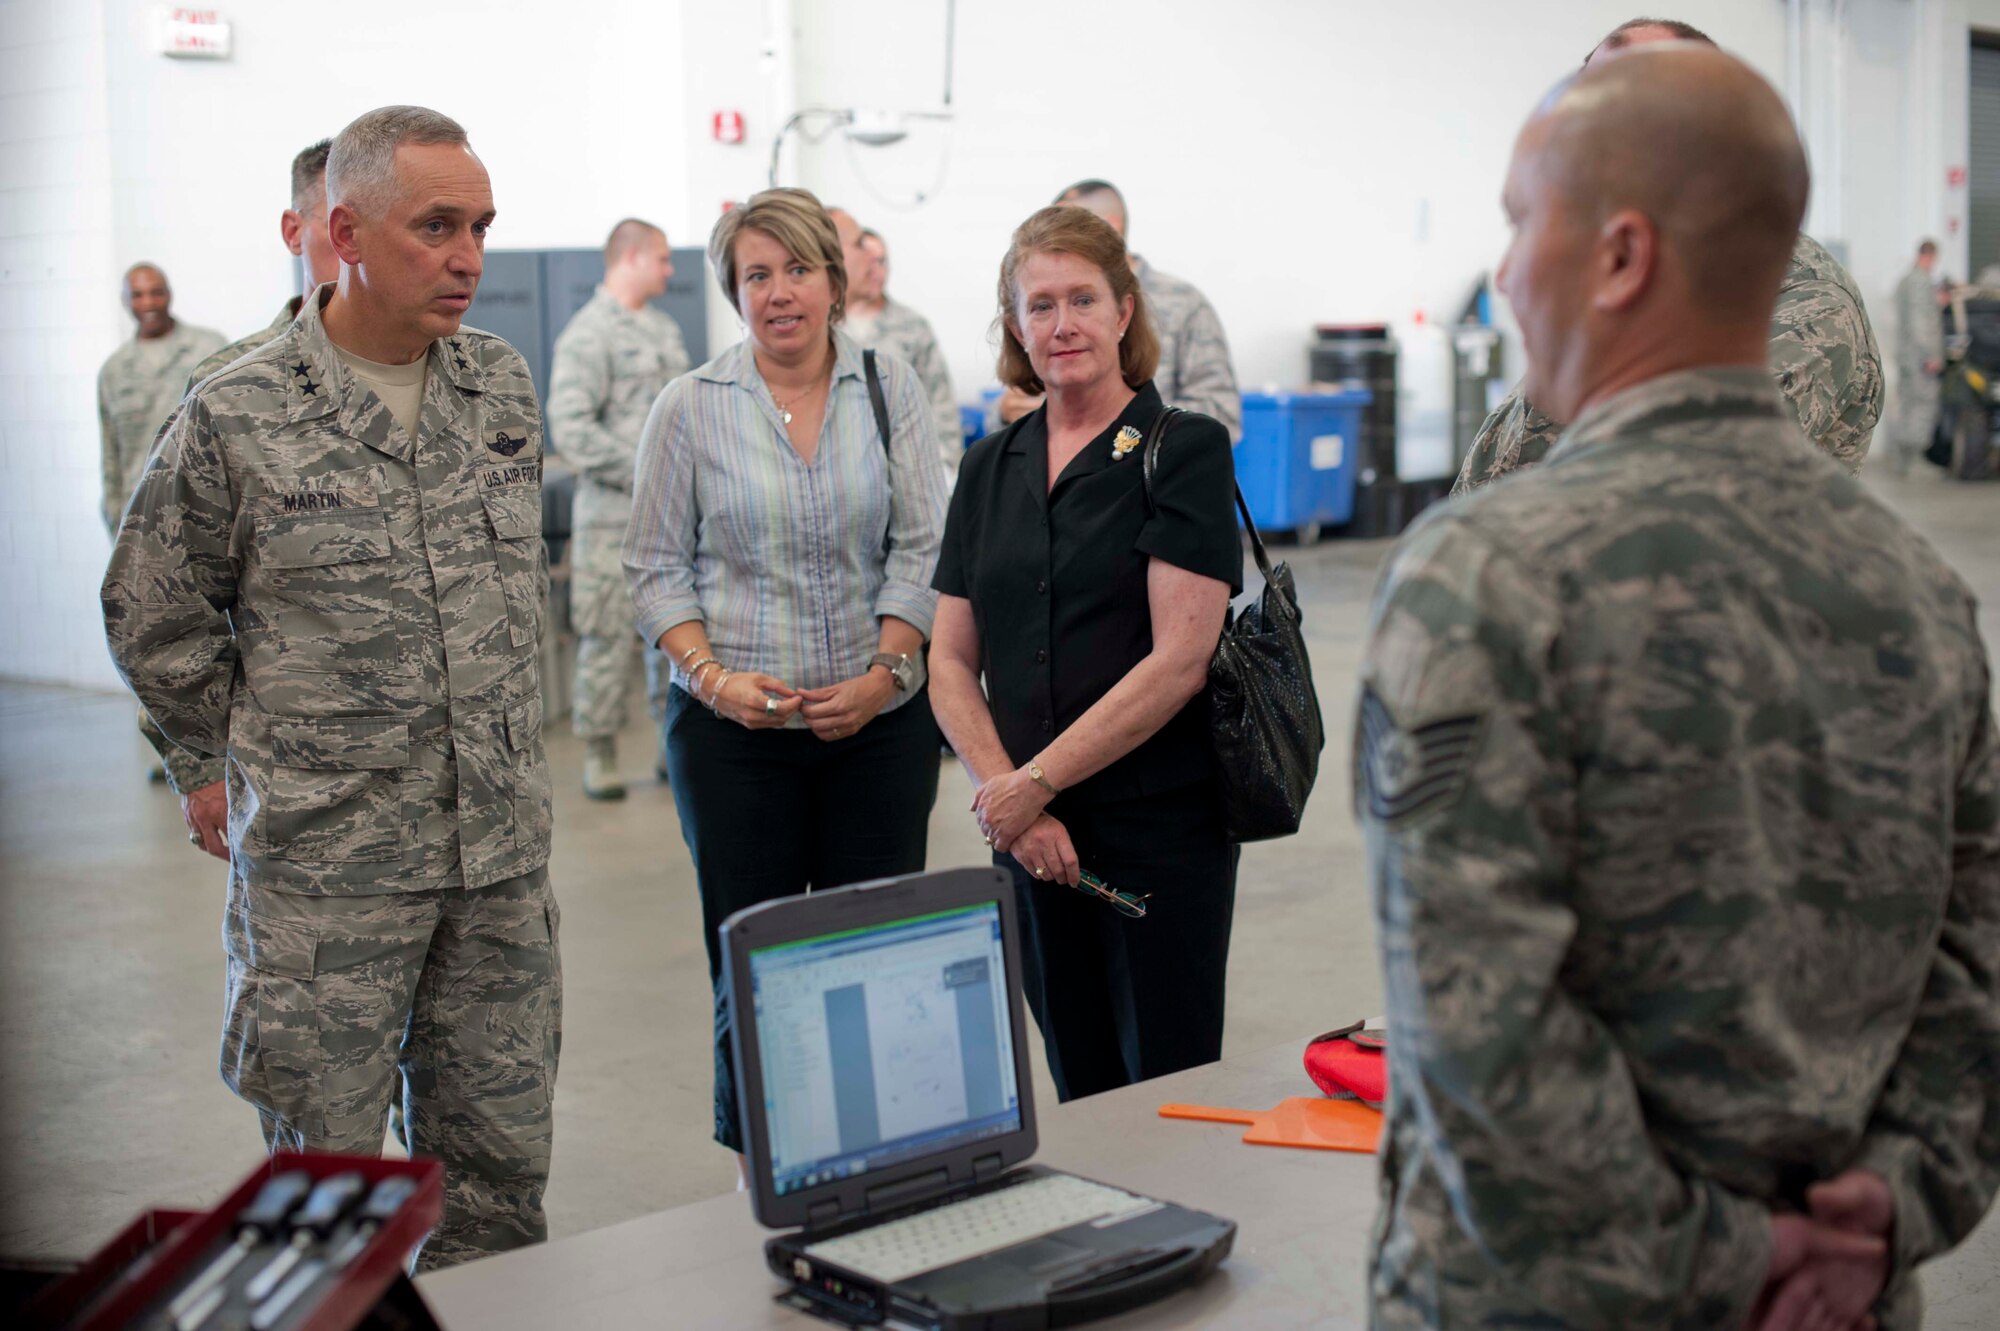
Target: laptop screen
882 1044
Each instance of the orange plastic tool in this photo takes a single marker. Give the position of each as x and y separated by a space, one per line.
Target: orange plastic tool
1320 1125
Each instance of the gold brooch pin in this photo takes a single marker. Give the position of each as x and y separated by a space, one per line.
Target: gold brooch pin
1127 439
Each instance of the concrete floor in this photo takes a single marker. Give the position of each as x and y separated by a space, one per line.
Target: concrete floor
110 960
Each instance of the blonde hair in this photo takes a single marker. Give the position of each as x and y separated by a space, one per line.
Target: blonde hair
795 219
1066 229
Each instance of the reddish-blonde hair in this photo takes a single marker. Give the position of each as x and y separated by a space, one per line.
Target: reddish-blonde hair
1063 229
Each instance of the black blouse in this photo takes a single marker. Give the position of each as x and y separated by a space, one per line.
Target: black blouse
1057 579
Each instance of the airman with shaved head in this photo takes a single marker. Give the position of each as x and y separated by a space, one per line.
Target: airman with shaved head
1821 350
141 384
1677 767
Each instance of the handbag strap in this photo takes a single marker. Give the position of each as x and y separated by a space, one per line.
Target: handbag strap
1149 462
875 398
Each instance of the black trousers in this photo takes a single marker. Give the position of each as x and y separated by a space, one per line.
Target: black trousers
1121 1000
772 813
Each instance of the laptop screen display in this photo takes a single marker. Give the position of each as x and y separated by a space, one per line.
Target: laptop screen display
882 1044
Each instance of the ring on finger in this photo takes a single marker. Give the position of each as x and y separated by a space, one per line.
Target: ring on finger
194 839
770 707
1041 873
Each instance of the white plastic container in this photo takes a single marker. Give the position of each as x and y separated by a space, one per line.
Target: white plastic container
1423 400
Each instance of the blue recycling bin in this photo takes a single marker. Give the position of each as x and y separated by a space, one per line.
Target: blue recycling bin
1298 458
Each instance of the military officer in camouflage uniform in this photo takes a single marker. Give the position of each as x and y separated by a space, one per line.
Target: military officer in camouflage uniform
1194 368
197 777
1677 768
1822 348
333 574
878 323
139 387
1919 358
610 363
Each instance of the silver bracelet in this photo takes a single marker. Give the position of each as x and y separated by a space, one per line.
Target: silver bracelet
716 696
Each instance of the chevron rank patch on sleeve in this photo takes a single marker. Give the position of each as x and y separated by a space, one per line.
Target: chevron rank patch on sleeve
1406 772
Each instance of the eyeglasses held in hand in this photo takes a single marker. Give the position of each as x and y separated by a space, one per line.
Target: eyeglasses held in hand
1129 903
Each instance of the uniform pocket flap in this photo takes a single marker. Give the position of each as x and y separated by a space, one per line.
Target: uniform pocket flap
524 723
276 947
314 540
514 510
341 745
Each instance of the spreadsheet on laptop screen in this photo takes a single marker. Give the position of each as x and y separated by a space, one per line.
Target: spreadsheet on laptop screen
883 1044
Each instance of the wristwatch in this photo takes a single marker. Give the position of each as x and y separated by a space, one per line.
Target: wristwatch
1040 778
899 669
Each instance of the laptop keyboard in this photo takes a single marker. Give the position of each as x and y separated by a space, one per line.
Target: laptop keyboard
976 1226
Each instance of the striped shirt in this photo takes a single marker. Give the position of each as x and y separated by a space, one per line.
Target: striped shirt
784 561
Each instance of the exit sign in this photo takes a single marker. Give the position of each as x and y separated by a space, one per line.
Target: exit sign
191 34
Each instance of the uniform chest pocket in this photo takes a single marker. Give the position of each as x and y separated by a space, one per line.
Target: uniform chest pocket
515 513
325 578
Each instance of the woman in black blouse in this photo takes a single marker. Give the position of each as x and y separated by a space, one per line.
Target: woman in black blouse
1092 618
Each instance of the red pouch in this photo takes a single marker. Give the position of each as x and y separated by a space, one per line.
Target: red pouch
1351 1064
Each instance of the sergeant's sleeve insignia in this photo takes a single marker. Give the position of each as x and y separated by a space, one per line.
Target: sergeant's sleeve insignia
1406 772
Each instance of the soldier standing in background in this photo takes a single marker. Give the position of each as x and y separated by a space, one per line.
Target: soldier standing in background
1194 355
1822 350
142 383
333 573
197 777
879 323
610 364
1677 766
137 389
1919 358
303 229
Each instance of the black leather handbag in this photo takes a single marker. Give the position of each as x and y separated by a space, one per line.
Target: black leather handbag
1263 714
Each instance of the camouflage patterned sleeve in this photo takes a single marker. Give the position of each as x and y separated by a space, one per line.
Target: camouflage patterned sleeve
1935 1132
1465 786
186 771
172 581
1823 356
1204 380
579 386
112 472
1515 435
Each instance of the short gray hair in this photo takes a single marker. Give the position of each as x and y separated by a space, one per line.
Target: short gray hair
361 168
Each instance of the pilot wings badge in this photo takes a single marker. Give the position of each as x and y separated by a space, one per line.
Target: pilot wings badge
506 445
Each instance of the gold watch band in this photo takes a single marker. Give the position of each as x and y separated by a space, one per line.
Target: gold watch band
1041 779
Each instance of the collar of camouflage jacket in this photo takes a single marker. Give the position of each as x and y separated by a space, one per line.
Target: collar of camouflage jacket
1708 394
320 386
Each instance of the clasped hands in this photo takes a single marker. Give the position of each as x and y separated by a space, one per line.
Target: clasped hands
1011 812
764 702
1829 1265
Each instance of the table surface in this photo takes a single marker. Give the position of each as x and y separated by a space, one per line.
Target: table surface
1300 1257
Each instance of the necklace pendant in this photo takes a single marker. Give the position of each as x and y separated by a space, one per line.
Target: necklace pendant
788 417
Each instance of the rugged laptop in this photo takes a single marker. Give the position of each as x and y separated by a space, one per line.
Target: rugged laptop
882 1067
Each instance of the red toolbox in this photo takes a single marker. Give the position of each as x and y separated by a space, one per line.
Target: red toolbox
131 1281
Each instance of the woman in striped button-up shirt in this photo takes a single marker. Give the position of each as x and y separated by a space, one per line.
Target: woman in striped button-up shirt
781 553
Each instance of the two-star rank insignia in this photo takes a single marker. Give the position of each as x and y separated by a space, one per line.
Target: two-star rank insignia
1405 772
302 373
458 356
506 445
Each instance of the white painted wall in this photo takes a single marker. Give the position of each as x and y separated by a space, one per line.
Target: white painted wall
1300 160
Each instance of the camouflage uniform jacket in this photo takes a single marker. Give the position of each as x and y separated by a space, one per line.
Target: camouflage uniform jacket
243 346
137 389
349 614
610 364
1823 355
1677 768
907 335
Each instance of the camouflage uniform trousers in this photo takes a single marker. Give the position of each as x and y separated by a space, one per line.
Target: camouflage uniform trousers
459 990
608 649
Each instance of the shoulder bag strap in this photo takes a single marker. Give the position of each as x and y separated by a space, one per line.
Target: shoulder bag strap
1151 461
875 398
